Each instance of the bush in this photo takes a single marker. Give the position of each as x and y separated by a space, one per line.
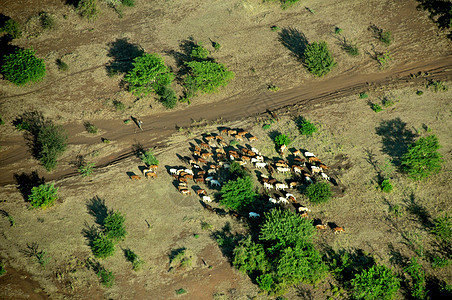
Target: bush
199 52
62 66
376 107
337 30
216 46
387 102
385 37
442 228
440 262
134 259
43 196
107 277
378 282
273 88
207 76
50 143
22 66
238 194
168 97
282 139
237 171
148 158
318 59
1 121
102 246
351 49
87 9
383 59
2 269
119 106
129 3
274 28
250 257
422 158
419 93
12 28
306 127
47 21
286 3
86 169
149 74
437 86
363 95
90 127
266 126
319 192
417 274
114 226
181 291
386 185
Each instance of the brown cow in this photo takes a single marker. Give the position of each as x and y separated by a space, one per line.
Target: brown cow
224 131
297 153
322 166
242 133
238 137
188 176
218 137
232 132
205 146
313 159
153 167
135 177
182 179
320 226
185 192
199 180
338 230
151 175
201 192
209 137
252 138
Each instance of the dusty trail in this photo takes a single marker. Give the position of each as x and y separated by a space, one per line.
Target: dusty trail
159 127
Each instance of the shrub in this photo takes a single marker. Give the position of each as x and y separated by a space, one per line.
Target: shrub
168 97
129 3
422 158
282 139
51 142
306 127
206 226
351 49
337 30
87 9
386 185
107 277
62 66
383 59
134 259
250 257
86 169
149 74
47 21
319 192
397 210
148 158
376 107
22 66
286 3
199 52
238 194
12 28
216 46
102 246
43 196
318 59
266 126
385 37
119 106
437 86
417 274
274 28
273 88
181 291
387 102
378 282
419 93
90 127
2 269
1 121
363 95
440 262
237 171
114 226
442 228
207 76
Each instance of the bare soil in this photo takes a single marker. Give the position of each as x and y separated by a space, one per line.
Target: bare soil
348 140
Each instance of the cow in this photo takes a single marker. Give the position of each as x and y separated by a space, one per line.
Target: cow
293 184
283 200
338 230
297 153
282 170
241 162
185 192
219 137
151 175
215 182
297 169
172 171
308 180
224 131
282 148
135 177
238 138
189 171
324 167
199 180
315 169
222 143
313 159
206 199
272 200
261 165
182 179
232 132
206 155
291 197
281 186
320 226
204 146
188 176
304 215
242 133
201 192
326 177
209 178
209 137
211 171
309 154
253 215
252 138
303 209
299 160
268 186
220 150
281 164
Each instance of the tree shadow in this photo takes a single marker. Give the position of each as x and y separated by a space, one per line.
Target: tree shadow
26 182
97 208
123 53
90 232
294 40
183 56
419 212
440 11
226 240
396 138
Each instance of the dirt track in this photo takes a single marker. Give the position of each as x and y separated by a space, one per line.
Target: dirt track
157 128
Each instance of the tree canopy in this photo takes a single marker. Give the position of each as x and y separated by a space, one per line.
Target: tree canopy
207 76
238 194
422 158
22 66
318 59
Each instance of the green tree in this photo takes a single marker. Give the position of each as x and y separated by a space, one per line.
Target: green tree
114 226
442 228
50 143
417 274
22 66
87 9
238 194
148 158
319 192
149 74
43 196
199 52
305 126
168 97
102 246
318 58
282 139
207 76
237 171
12 28
250 257
378 282
422 158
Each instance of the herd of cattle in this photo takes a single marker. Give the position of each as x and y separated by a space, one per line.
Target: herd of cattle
212 156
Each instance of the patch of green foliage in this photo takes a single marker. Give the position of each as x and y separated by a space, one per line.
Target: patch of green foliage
318 58
1 121
47 21
129 3
43 196
206 226
102 246
199 52
62 66
363 95
305 126
377 282
90 127
12 28
237 171
319 192
22 66
114 227
51 142
383 59
131 256
168 97
266 126
376 107
440 262
87 9
119 106
386 185
442 228
437 86
283 255
282 139
337 30
207 76
422 158
181 291
286 3
273 88
387 102
148 158
216 46
149 74
107 277
351 49
397 210
417 274
86 169
238 194
274 28
385 37
419 93
2 269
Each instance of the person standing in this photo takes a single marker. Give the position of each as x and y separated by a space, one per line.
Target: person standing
139 122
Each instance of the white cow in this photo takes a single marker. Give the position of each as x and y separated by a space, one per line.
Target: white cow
254 215
268 186
273 200
255 150
215 182
260 158
282 169
283 200
281 186
297 169
173 171
188 171
308 180
261 165
315 169
231 157
303 209
254 160
309 154
326 177
289 195
206 199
